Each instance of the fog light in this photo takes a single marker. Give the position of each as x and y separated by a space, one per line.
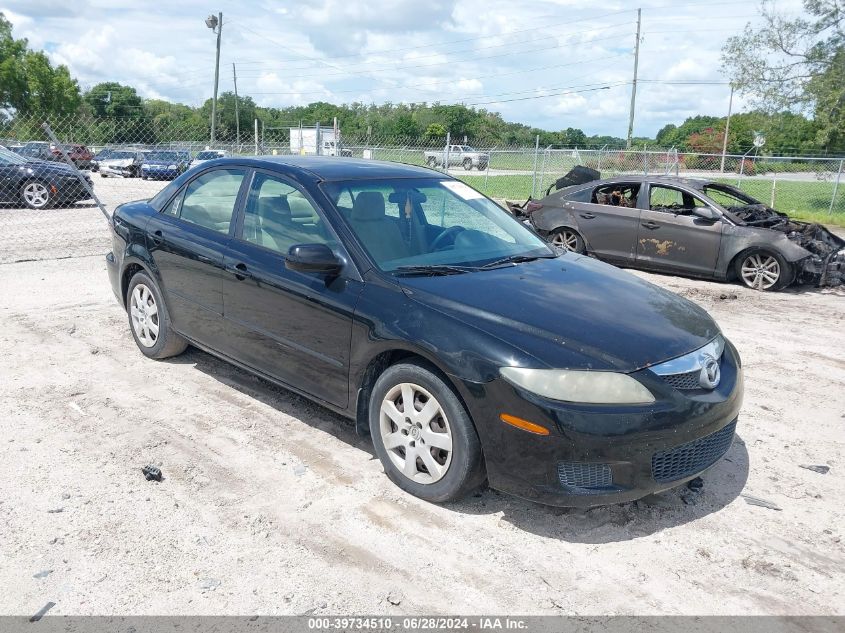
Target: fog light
525 425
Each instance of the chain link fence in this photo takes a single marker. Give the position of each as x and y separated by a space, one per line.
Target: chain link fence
49 171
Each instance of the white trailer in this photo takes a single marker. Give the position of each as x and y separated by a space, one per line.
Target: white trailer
304 141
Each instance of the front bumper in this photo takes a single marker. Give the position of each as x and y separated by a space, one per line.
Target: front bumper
598 455
119 172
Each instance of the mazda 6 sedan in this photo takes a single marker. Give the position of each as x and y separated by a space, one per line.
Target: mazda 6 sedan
465 346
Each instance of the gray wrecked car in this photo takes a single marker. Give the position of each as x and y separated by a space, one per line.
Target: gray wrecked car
684 226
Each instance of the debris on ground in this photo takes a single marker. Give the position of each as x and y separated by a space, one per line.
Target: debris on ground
55 510
395 597
757 501
209 584
299 470
42 612
696 484
822 469
151 473
43 573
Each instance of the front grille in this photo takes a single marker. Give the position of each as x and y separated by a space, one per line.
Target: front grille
693 457
684 382
584 475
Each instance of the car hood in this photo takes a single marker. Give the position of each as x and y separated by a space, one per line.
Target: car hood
49 167
117 162
571 312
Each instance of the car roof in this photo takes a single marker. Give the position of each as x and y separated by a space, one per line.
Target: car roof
335 168
693 183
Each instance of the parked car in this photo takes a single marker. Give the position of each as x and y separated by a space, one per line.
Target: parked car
38 184
462 343
165 165
38 150
78 154
458 155
122 164
700 228
208 154
99 157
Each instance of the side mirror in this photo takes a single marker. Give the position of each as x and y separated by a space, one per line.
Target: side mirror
313 258
707 213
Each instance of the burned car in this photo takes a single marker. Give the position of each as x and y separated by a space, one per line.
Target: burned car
694 227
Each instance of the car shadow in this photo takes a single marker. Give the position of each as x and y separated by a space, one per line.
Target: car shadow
605 524
279 398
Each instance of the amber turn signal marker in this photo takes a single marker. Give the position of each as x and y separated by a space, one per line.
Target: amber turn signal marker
525 425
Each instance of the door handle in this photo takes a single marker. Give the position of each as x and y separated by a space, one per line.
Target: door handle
240 271
587 216
651 225
158 237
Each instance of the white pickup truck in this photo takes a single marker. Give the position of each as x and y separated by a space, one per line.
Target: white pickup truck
458 155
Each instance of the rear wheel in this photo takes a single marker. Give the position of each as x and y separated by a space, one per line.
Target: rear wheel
568 239
149 321
36 195
763 270
423 435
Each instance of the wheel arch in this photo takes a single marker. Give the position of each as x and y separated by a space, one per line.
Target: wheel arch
385 359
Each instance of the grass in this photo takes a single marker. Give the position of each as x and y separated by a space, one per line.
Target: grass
808 201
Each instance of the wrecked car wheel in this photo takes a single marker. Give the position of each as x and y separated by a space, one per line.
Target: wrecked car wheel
763 270
569 240
423 435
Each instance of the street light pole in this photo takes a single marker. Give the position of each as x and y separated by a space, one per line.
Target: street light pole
215 23
727 130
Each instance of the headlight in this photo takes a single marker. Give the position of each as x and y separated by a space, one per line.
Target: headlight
594 387
171 166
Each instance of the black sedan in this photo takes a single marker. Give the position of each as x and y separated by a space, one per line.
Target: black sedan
38 184
687 226
462 343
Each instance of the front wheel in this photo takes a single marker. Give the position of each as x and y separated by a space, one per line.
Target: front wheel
431 161
763 270
36 195
467 164
149 321
423 436
568 239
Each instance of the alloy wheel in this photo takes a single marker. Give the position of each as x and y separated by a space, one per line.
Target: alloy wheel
144 312
760 271
36 195
566 239
416 433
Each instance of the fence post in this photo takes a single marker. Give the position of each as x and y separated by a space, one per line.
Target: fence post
256 137
534 178
317 139
835 188
774 185
487 171
446 152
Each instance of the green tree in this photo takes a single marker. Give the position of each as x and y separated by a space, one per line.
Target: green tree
795 64
111 99
435 130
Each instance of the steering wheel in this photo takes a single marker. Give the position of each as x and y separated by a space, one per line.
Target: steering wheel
452 231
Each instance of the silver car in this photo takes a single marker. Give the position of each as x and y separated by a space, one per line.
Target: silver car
693 227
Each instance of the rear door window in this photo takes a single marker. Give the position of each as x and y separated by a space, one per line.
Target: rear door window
210 199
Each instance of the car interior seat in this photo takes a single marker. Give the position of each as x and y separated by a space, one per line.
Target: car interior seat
379 233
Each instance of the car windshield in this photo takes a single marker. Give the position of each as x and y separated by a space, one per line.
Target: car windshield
163 156
105 153
10 158
122 155
424 222
207 155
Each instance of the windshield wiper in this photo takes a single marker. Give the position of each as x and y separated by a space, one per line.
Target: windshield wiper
433 269
516 259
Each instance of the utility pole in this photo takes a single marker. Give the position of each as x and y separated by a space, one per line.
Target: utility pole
215 23
634 83
237 118
727 129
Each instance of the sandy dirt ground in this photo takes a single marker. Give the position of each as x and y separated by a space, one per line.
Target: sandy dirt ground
272 505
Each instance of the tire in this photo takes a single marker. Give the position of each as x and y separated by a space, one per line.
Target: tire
763 270
568 239
467 164
431 161
482 167
36 195
454 466
162 343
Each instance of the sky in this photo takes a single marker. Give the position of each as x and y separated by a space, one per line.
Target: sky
548 63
